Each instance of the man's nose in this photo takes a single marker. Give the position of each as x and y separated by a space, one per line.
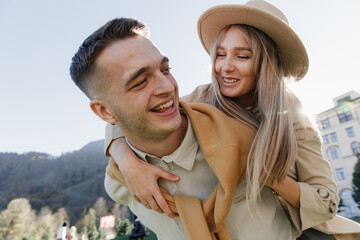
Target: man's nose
164 85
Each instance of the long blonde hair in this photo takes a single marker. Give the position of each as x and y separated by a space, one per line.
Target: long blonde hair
274 148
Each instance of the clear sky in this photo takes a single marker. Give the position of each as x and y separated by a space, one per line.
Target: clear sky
42 110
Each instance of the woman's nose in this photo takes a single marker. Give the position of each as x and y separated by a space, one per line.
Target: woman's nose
228 65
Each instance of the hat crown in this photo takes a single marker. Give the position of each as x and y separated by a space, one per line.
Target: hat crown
268 8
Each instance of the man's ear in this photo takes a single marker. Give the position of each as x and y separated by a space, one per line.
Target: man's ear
99 109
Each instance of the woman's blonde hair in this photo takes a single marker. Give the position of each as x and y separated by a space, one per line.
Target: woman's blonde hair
274 148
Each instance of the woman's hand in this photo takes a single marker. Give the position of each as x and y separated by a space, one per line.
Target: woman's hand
141 177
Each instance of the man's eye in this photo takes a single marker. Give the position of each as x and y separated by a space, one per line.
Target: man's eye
166 70
140 83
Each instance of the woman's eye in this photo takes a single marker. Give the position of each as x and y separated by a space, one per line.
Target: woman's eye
243 57
220 55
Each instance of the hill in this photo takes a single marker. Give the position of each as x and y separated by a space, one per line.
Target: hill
74 180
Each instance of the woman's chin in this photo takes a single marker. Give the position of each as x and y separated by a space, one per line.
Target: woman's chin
229 93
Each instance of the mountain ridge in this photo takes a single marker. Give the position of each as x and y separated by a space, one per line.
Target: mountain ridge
74 180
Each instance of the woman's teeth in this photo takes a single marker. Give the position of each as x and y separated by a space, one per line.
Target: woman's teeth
230 80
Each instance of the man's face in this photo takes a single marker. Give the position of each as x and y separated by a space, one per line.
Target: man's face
141 94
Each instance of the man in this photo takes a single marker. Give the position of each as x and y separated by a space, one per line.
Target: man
138 231
61 234
129 83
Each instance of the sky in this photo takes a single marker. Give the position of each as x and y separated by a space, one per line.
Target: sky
42 110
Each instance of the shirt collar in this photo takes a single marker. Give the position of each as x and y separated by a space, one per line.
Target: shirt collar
183 156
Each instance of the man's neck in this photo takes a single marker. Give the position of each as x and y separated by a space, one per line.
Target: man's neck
165 146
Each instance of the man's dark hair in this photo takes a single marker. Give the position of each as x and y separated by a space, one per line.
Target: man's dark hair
83 69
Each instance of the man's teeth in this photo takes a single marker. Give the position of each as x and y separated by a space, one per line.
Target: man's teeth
165 105
232 80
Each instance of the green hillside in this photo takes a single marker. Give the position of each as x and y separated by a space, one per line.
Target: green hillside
73 180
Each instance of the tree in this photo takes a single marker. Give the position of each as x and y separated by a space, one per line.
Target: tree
88 225
100 207
45 224
116 210
102 234
93 233
19 221
16 220
123 212
123 227
59 218
356 180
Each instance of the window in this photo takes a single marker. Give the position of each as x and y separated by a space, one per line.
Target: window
350 132
356 148
344 100
333 137
340 174
325 123
346 192
344 117
334 153
326 139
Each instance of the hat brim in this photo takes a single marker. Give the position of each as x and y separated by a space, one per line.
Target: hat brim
292 50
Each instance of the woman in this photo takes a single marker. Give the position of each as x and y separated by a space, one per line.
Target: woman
72 234
254 52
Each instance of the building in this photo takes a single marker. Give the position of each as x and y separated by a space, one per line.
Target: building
340 128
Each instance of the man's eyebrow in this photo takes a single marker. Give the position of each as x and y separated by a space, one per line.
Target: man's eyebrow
164 60
135 75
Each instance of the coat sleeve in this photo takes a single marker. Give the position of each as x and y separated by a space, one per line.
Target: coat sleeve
318 191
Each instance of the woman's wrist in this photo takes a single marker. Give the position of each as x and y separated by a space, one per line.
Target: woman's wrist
122 154
288 189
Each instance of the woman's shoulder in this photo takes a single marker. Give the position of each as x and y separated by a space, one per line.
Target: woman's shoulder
201 94
305 128
298 116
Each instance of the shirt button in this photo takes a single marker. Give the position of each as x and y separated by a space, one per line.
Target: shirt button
323 193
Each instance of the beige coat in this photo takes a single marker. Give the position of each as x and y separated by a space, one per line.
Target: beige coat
318 191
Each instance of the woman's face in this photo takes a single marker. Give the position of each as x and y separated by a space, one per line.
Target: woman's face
234 65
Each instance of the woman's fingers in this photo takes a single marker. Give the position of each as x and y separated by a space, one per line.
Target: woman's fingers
151 203
141 180
161 202
136 198
146 204
166 175
156 202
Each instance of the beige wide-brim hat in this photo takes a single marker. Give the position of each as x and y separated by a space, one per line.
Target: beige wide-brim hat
265 17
